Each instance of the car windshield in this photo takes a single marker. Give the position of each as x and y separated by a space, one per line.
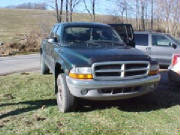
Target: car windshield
90 34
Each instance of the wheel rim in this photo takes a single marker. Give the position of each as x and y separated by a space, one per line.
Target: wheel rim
59 94
41 60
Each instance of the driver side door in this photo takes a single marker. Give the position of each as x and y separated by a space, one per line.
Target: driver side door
50 48
161 49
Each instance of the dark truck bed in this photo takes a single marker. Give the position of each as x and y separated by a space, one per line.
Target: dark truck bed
126 33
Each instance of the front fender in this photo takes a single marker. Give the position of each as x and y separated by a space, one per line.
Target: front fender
66 66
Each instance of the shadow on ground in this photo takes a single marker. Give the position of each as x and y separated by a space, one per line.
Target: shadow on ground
162 97
33 105
159 99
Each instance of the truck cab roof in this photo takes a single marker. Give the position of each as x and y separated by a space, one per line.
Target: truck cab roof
81 24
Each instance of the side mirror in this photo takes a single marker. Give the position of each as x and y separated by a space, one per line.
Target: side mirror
52 40
173 45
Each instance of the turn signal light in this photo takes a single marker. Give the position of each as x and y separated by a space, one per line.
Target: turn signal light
153 72
81 76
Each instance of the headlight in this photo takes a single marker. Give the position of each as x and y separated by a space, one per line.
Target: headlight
81 73
154 69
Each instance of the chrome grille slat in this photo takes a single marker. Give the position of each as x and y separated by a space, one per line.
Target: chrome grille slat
108 70
127 70
140 69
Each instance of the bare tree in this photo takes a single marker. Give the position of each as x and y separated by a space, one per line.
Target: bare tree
122 8
137 14
164 13
59 10
146 14
92 10
86 8
93 2
152 11
72 5
142 14
157 15
67 10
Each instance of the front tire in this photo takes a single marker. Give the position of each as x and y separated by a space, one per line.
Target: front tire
65 100
44 67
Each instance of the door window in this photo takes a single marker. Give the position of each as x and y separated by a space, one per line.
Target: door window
53 32
160 40
58 32
141 39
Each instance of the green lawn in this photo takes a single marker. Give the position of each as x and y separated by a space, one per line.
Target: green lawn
28 107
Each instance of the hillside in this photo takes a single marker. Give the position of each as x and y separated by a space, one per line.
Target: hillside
21 30
17 22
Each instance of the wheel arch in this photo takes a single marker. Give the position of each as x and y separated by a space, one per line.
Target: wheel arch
58 70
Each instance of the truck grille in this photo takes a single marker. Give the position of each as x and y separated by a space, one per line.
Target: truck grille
120 70
120 90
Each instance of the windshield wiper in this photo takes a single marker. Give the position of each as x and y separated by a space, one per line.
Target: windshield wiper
107 41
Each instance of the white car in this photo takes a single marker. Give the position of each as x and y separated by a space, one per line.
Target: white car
174 70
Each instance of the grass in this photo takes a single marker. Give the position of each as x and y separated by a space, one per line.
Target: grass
28 107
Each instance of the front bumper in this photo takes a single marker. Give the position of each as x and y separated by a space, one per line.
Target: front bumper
90 89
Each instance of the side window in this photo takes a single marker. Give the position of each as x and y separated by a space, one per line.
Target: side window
53 32
160 40
58 32
141 39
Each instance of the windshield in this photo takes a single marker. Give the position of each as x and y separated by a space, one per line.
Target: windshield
90 34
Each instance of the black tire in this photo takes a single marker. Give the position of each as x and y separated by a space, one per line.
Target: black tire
65 100
44 67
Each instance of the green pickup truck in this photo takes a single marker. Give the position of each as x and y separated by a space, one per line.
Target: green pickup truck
90 61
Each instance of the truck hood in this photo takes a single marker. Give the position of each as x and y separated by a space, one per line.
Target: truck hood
86 56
